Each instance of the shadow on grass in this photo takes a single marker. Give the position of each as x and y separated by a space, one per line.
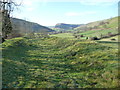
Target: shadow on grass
108 42
20 69
16 68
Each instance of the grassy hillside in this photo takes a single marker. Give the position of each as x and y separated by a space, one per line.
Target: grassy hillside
100 29
23 26
98 33
66 27
63 35
109 39
59 63
108 23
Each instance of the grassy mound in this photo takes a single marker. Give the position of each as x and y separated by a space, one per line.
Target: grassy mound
59 63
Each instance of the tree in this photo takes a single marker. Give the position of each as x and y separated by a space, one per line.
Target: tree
6 7
86 38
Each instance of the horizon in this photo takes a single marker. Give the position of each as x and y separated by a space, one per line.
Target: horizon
49 13
66 23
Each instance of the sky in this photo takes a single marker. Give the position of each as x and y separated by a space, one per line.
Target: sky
51 12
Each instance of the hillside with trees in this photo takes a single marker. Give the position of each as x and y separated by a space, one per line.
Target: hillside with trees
65 27
94 30
22 27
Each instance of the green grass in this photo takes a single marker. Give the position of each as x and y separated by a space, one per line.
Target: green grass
98 33
63 35
101 30
109 39
113 23
59 63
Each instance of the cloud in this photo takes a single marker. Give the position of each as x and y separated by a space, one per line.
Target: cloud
79 13
27 3
85 2
30 9
98 2
95 1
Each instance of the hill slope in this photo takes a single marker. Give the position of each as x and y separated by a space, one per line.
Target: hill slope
100 29
107 28
103 24
22 26
64 26
26 26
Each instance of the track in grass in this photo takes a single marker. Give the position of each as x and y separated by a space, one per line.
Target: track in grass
58 63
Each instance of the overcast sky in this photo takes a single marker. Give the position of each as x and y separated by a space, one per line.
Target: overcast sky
51 12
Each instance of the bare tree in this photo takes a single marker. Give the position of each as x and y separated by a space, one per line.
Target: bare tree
6 7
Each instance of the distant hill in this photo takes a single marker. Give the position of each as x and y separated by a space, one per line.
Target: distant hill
107 28
50 27
21 26
26 26
64 26
101 29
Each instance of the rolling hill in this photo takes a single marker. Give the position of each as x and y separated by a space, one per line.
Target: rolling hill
102 24
57 62
101 29
63 26
26 26
23 27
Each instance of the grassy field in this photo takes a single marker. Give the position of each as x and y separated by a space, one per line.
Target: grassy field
59 63
109 39
99 28
112 23
63 35
97 33
91 33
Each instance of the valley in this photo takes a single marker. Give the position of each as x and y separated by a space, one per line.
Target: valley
84 56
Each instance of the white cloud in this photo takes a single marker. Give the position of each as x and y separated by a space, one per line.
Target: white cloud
86 2
30 9
98 2
79 13
27 3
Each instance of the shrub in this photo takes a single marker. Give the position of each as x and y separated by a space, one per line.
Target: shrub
113 39
94 38
81 35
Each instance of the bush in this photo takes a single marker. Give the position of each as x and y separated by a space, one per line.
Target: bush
81 35
113 39
94 38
